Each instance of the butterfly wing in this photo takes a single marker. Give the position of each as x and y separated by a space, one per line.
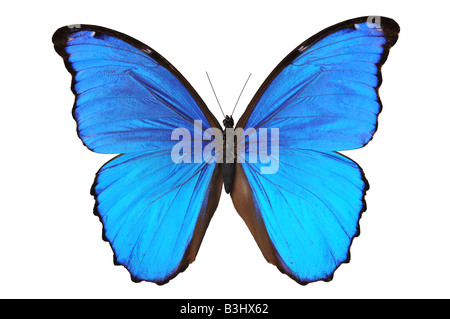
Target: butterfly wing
327 88
128 100
323 97
155 212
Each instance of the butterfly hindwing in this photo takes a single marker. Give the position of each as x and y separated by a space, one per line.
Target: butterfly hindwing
309 210
155 211
323 97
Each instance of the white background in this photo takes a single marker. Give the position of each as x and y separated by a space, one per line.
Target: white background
50 242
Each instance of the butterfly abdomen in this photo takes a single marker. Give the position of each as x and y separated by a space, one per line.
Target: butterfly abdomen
228 175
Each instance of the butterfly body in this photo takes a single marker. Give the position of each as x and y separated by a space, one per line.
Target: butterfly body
228 167
299 197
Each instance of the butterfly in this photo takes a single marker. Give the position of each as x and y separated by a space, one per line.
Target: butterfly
321 98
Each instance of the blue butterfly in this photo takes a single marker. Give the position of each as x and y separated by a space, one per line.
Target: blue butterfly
322 98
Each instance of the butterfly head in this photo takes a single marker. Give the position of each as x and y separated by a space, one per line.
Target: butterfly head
228 122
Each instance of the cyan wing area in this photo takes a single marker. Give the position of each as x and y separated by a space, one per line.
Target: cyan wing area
126 101
311 209
150 207
326 97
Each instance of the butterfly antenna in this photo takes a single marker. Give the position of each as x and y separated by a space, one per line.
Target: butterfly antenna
240 94
215 93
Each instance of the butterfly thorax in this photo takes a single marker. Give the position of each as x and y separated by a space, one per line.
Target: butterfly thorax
228 122
228 167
